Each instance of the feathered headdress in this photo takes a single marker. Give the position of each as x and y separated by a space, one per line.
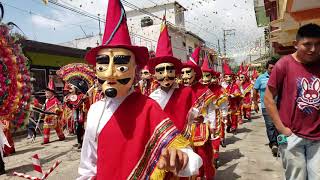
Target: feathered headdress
77 71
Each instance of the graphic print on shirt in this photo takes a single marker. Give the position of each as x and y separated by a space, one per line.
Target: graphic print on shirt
308 94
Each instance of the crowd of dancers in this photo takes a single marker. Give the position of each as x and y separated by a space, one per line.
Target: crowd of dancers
171 109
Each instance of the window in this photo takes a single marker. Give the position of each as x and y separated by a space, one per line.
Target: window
39 75
146 21
190 50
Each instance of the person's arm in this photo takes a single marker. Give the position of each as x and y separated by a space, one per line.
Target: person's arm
88 168
272 110
255 100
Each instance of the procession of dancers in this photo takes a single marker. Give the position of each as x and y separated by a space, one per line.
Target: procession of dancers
173 116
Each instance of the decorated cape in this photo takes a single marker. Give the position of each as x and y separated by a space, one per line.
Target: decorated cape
176 103
246 89
97 95
146 87
137 135
77 103
217 109
199 133
233 92
53 106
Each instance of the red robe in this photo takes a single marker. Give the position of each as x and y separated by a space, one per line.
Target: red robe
201 94
97 95
146 87
52 105
179 106
130 144
233 92
80 104
246 88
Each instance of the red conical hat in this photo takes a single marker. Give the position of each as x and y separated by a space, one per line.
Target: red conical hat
195 56
146 67
255 74
51 85
193 63
164 52
245 71
226 69
206 68
116 35
240 69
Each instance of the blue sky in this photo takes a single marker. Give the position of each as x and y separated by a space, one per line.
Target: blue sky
206 18
52 25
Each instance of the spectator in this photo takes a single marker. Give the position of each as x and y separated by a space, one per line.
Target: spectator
260 87
295 81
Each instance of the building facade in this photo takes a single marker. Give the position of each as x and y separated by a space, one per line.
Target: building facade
144 27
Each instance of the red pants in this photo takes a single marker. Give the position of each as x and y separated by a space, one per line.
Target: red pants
247 113
9 150
234 122
222 130
46 134
205 152
216 146
71 126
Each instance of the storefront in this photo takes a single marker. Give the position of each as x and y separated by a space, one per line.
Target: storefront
46 59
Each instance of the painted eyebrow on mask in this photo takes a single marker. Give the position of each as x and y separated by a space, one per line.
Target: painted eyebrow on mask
103 59
159 69
121 59
168 68
188 71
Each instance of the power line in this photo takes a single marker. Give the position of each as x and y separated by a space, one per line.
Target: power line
43 16
157 17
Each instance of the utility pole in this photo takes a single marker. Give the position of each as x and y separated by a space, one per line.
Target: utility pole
219 55
219 50
100 34
260 48
227 32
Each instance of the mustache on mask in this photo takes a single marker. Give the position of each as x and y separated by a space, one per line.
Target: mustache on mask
187 78
170 78
121 81
124 81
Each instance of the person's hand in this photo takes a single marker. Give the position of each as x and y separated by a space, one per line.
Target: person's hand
65 99
256 107
199 119
173 160
286 131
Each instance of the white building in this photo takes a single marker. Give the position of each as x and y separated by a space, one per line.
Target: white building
144 26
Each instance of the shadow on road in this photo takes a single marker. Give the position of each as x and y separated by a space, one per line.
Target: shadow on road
256 116
243 130
227 174
28 150
54 157
232 140
229 156
21 169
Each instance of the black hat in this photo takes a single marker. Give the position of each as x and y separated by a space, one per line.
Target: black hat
80 84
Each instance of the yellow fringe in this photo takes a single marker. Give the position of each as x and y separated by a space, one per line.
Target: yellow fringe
179 142
221 100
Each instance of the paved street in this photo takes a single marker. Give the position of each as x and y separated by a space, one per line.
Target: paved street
247 157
